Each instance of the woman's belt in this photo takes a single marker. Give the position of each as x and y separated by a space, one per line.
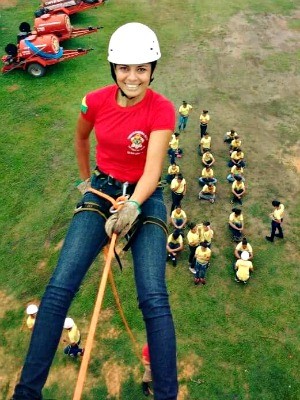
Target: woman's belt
112 181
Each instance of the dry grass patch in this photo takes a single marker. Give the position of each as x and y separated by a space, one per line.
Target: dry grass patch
114 375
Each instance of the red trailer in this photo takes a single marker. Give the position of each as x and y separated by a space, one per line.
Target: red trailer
35 53
66 6
56 24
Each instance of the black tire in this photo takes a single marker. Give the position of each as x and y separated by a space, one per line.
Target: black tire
37 70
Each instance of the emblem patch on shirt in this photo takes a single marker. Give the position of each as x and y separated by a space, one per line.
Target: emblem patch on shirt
137 141
84 106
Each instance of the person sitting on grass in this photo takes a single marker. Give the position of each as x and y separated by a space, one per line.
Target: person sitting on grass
179 219
205 143
235 144
202 256
238 190
237 158
73 348
173 170
193 238
207 176
236 224
244 245
235 170
230 135
243 268
208 159
174 246
208 193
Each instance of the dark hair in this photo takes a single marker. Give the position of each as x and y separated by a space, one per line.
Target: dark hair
238 178
204 244
176 134
205 111
244 240
232 131
237 211
207 223
275 203
179 176
192 225
178 206
176 234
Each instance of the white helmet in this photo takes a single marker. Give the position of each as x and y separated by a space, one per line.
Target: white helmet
133 43
69 323
31 309
245 255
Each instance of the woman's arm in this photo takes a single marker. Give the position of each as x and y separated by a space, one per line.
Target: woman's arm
156 153
82 147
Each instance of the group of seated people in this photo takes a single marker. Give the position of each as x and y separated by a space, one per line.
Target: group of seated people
207 179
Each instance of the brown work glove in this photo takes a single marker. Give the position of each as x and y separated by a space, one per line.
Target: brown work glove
121 221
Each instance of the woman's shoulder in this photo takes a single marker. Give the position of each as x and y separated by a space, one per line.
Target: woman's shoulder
159 98
100 93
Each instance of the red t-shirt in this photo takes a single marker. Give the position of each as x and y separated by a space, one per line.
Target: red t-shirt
122 133
145 353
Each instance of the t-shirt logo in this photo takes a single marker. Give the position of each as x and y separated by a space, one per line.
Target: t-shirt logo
137 142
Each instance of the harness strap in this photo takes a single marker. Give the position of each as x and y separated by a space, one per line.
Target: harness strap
89 206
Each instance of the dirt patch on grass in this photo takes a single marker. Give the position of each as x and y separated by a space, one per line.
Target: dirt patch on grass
189 366
114 375
6 303
14 87
8 4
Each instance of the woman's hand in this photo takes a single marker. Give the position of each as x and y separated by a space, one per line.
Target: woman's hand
121 222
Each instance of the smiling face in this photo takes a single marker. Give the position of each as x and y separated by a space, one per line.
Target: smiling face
133 80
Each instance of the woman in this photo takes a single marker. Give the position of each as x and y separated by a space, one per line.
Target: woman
204 120
208 158
178 188
173 170
236 224
133 126
208 193
238 189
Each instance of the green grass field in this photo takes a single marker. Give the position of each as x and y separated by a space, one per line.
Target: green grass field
240 60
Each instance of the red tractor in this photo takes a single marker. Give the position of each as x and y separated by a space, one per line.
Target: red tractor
35 53
66 6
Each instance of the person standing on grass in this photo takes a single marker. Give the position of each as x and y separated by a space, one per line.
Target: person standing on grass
147 376
205 143
202 256
276 221
184 111
236 224
31 311
133 125
204 120
73 348
174 146
206 233
178 188
243 268
193 239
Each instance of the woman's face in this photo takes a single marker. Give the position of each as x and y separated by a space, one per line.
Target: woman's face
133 80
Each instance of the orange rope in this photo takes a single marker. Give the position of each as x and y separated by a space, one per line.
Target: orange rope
96 312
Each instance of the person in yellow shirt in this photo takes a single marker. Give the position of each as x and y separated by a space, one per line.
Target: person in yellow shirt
244 245
73 348
184 111
202 256
174 246
235 170
236 224
173 170
243 268
173 147
204 120
31 311
205 143
235 144
238 190
179 219
206 233
207 176
230 135
276 221
193 239
208 193
237 158
208 158
178 188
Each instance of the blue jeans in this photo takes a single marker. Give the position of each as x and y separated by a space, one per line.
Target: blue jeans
182 122
200 270
84 240
172 155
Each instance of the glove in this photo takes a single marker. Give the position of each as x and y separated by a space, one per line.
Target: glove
83 186
121 222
